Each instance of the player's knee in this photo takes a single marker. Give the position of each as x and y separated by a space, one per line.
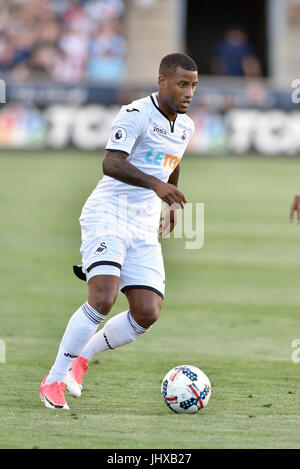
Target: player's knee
152 316
102 301
147 315
102 294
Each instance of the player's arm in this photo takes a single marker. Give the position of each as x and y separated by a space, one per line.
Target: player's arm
115 165
295 207
169 217
174 176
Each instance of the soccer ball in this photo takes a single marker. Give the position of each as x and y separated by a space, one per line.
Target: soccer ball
186 389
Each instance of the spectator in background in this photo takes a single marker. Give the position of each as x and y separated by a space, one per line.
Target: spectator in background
6 54
64 40
104 11
65 68
74 44
235 56
41 60
107 49
105 68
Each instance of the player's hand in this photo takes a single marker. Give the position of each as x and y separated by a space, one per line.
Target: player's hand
295 207
170 194
168 219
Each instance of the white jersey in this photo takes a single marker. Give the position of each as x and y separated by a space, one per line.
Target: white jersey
155 145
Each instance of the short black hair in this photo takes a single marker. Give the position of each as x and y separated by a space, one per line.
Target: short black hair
170 62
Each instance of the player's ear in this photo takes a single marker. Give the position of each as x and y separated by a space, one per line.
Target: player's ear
162 81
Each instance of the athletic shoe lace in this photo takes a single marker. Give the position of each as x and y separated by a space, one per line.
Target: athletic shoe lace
56 391
59 388
62 387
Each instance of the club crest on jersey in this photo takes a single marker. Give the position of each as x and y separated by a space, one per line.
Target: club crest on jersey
101 248
119 136
183 136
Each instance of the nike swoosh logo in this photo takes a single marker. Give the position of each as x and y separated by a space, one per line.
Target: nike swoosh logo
131 110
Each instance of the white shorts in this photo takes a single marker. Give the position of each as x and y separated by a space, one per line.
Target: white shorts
138 262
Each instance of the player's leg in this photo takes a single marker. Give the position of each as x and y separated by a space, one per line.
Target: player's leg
103 291
144 306
142 280
102 256
125 327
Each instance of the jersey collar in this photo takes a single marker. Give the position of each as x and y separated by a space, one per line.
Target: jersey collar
154 100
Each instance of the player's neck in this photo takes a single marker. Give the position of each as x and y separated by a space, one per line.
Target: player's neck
165 108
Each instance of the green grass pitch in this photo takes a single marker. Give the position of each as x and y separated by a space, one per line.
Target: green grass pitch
232 308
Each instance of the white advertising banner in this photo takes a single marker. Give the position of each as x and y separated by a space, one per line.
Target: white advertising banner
238 131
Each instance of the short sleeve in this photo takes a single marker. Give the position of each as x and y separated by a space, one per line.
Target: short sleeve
191 129
126 128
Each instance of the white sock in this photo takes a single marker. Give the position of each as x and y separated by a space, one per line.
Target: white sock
81 327
119 330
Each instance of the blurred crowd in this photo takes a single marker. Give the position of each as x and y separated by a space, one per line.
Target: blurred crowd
62 40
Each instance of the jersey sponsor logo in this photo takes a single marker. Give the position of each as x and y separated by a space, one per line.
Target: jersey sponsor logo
162 159
159 131
119 136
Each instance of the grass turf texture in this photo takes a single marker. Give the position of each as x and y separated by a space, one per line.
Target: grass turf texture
231 308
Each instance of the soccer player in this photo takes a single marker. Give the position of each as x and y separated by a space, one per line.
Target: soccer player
120 223
295 207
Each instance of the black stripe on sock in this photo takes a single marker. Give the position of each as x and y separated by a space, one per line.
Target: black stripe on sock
90 315
107 343
135 326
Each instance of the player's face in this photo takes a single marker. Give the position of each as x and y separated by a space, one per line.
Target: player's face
178 89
